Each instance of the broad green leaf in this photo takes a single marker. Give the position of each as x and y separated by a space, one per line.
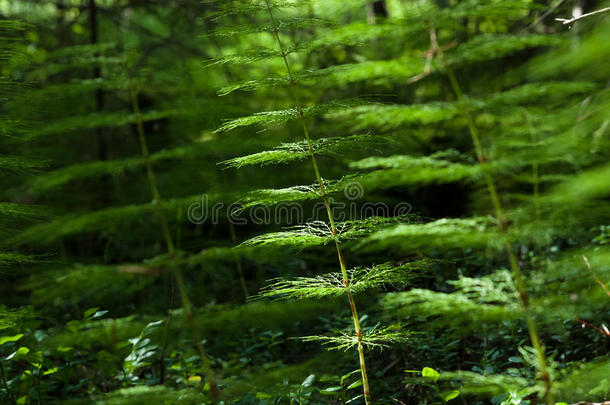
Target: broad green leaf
35 359
430 374
73 326
6 339
330 390
449 395
308 381
195 379
22 351
355 398
99 314
355 384
51 371
89 313
349 374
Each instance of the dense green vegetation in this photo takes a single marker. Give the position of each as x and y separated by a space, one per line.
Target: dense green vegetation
304 202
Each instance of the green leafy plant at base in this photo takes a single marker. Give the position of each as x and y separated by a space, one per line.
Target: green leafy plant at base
430 378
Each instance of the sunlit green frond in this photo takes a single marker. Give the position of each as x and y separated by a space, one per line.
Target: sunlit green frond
442 309
442 233
287 152
585 382
70 284
64 175
143 394
281 25
377 71
417 176
402 162
13 317
533 92
471 382
8 26
375 338
14 257
215 321
319 233
381 71
333 285
244 7
274 196
412 170
354 34
387 117
74 87
591 184
580 282
407 171
20 164
501 10
79 56
21 210
583 268
97 120
103 220
582 61
276 117
81 171
209 256
486 47
252 55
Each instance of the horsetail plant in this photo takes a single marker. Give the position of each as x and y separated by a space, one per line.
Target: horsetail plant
347 282
518 277
187 305
334 231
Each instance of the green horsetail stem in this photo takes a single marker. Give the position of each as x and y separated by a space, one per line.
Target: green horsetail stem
171 250
346 282
501 217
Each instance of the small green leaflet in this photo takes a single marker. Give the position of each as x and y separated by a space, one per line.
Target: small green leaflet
430 373
6 339
22 351
449 395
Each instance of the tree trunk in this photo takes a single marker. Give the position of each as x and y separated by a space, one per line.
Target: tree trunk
376 9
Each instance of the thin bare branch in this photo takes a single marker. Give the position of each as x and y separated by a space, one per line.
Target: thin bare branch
580 17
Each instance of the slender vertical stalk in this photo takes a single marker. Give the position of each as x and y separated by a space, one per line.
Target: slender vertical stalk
500 216
97 74
535 169
162 368
240 270
9 394
346 282
158 204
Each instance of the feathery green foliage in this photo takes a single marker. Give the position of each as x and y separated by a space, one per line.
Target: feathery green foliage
300 150
376 337
360 279
432 181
